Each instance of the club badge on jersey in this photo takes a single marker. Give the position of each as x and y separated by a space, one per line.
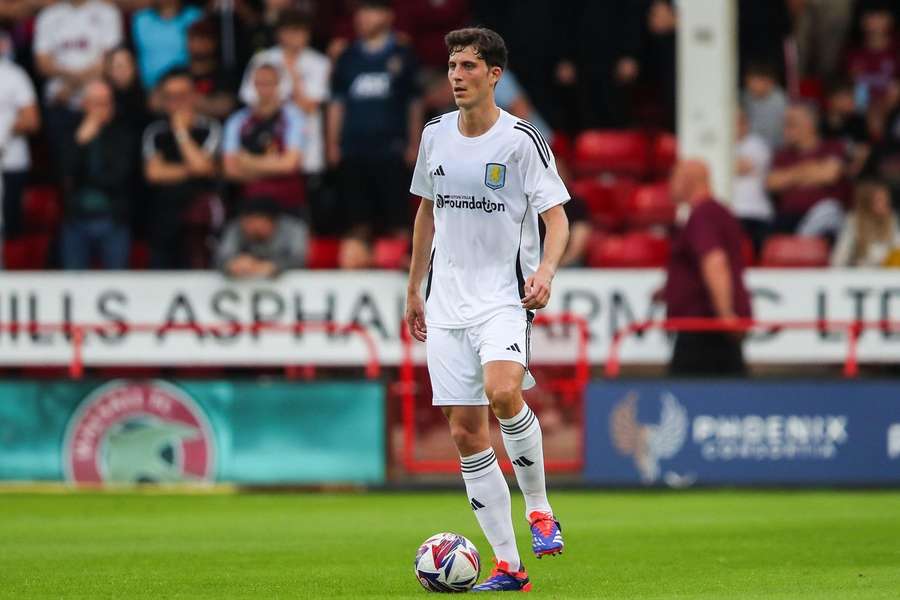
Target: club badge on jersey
495 175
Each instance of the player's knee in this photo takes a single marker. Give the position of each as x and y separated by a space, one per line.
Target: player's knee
502 396
468 439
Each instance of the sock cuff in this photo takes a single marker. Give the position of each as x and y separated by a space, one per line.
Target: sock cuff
478 464
522 423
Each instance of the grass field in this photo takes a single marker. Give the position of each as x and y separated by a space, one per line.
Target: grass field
791 545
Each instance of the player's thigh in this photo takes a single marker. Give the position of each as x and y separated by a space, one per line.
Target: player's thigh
454 368
503 344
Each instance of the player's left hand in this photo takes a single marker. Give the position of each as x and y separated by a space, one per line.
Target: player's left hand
537 291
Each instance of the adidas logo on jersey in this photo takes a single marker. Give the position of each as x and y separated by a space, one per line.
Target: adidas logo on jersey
476 504
514 348
439 172
522 462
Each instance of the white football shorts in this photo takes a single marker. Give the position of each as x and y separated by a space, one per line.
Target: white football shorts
456 356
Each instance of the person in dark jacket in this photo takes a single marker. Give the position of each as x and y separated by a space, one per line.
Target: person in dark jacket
99 166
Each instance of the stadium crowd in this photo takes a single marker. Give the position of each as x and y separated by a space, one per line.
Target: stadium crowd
263 135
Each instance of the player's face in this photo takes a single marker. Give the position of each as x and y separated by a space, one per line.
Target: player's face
470 78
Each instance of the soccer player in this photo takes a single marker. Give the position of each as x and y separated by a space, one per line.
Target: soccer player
484 177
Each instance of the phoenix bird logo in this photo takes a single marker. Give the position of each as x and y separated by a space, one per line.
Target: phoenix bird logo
648 444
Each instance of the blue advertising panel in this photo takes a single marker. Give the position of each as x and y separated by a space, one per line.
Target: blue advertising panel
680 433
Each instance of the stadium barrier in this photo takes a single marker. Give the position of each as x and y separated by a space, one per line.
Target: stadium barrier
77 334
570 388
853 330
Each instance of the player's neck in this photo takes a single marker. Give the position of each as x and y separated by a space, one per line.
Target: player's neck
477 120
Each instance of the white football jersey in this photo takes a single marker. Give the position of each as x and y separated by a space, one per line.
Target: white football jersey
488 192
76 36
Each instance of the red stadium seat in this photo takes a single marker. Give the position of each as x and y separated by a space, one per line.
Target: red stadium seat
632 250
664 155
748 253
608 151
561 144
41 208
27 253
391 253
651 205
606 199
792 251
323 253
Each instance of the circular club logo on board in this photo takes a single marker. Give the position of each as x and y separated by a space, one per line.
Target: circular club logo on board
138 432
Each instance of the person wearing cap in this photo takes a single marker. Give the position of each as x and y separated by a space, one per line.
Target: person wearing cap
262 242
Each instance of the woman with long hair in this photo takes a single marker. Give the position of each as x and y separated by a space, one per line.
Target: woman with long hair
870 233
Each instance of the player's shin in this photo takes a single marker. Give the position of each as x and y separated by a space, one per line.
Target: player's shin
489 498
524 445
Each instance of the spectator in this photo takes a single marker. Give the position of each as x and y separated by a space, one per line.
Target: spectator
820 28
871 232
180 166
71 40
263 145
262 242
884 160
374 123
842 122
131 102
19 117
808 177
426 22
874 63
262 35
98 165
214 87
160 37
705 278
305 82
750 202
765 103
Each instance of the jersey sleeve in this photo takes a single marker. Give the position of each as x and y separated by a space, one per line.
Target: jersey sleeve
294 139
231 139
422 184
542 184
44 34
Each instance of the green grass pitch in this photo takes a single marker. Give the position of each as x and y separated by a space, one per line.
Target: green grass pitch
631 545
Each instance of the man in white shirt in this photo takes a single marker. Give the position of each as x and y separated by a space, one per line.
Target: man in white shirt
19 117
71 39
305 81
485 177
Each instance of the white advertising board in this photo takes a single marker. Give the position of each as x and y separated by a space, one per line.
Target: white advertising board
608 299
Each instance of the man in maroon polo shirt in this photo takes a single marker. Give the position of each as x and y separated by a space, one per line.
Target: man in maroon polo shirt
808 177
705 277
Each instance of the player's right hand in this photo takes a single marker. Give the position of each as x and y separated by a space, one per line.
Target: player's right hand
415 316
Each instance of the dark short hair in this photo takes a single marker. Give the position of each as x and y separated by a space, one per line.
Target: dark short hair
761 69
487 44
840 85
204 28
260 205
293 19
174 73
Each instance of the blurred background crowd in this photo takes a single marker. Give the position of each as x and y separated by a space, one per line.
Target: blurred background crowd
255 136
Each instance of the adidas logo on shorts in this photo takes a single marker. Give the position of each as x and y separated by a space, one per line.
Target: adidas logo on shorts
439 172
514 348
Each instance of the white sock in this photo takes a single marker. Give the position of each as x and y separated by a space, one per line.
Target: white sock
524 445
489 498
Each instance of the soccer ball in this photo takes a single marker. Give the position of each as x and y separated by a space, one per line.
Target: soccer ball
447 562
